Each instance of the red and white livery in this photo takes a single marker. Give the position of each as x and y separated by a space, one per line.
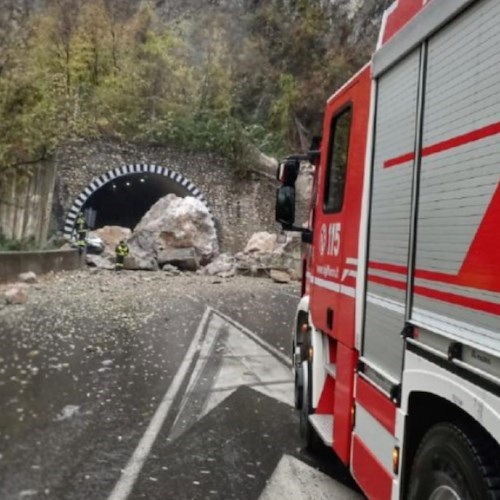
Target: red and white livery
397 335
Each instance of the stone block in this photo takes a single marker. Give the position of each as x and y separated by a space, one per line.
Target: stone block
29 277
16 294
182 258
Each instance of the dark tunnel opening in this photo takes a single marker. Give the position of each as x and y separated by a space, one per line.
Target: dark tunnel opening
124 200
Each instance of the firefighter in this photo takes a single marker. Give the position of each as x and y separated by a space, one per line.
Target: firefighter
121 251
81 230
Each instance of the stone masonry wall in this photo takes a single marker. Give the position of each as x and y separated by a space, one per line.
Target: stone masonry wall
240 205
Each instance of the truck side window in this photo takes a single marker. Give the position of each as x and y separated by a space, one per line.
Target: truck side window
337 162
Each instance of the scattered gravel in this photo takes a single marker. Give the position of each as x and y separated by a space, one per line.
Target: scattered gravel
90 353
79 325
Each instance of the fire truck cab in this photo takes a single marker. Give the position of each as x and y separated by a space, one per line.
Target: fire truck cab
396 343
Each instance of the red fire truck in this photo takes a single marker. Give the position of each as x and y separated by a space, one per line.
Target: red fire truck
396 345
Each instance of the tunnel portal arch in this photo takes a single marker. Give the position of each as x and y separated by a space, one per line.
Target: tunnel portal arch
172 181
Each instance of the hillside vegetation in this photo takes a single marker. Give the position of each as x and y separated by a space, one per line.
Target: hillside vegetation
197 75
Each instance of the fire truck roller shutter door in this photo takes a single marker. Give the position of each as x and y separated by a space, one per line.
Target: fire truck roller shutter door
390 215
457 257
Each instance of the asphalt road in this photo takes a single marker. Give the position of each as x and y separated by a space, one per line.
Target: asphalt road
115 387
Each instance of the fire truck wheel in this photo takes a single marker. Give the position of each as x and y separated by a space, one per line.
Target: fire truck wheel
451 464
299 386
309 437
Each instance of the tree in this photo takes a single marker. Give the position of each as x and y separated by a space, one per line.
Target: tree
201 79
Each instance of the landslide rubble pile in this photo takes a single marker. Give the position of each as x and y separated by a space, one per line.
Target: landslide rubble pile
178 235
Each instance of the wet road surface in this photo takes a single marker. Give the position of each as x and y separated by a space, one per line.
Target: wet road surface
115 387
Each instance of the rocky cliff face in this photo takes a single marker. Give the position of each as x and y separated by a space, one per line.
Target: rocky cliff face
366 18
363 15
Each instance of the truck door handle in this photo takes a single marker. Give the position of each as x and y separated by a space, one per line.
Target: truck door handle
329 317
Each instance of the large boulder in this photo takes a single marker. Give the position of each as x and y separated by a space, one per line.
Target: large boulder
265 255
268 254
287 255
142 252
173 224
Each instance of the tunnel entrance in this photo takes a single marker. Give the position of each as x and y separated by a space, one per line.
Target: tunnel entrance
122 196
124 201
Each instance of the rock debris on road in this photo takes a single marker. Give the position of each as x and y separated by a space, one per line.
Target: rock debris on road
85 361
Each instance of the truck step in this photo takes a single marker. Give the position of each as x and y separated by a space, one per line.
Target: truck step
323 425
331 369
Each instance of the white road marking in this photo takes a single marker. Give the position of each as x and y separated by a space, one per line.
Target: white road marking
240 360
295 479
250 363
124 486
206 349
282 357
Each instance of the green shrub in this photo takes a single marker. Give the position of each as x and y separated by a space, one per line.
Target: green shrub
12 245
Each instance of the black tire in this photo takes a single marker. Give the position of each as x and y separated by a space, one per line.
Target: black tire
451 464
310 438
299 387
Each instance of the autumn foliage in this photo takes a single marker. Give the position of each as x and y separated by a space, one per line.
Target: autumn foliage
200 81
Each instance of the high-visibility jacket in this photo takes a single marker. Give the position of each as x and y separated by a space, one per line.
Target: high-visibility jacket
121 250
81 224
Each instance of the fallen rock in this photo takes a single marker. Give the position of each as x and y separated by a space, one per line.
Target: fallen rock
280 276
171 270
251 269
178 231
67 412
228 274
98 261
183 258
27 493
263 242
174 223
140 260
16 294
291 244
29 277
265 252
224 263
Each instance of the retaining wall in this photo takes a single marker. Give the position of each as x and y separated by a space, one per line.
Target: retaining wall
14 263
26 201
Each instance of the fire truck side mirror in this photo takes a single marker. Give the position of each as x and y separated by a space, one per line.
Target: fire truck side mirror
315 150
285 206
288 171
